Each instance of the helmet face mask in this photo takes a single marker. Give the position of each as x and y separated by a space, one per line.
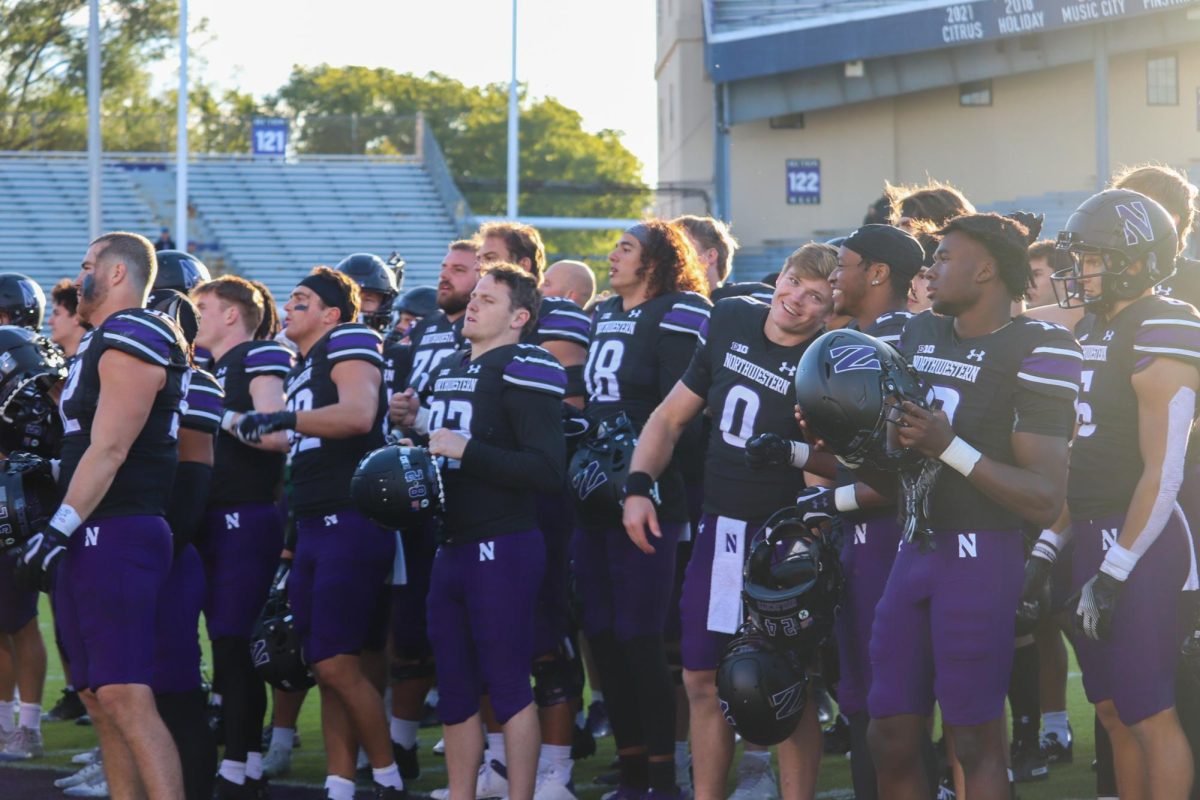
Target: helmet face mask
372 274
600 465
275 649
22 300
762 689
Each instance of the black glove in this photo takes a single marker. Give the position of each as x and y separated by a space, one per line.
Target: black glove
279 581
769 450
29 464
1032 222
1096 605
252 427
576 426
816 505
38 557
1033 590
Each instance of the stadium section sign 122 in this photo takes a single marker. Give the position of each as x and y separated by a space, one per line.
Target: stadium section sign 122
804 181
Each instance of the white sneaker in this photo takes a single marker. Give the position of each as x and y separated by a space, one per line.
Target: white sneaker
490 783
439 749
23 745
277 762
87 756
97 786
552 785
756 784
82 776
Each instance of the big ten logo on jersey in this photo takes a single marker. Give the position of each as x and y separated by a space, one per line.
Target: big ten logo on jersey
738 347
1108 538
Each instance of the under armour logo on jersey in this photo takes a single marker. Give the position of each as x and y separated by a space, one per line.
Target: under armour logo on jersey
1108 538
976 355
967 546
588 480
232 521
850 357
1137 221
330 520
790 369
637 312
788 702
473 369
91 536
1108 335
487 551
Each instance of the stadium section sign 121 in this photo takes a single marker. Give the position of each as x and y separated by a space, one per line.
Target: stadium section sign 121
803 181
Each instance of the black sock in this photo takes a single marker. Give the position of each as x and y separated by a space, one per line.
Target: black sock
619 698
1106 775
183 714
1024 696
646 658
239 685
634 770
662 776
862 767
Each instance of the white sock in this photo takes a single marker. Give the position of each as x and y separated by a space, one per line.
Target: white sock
432 697
1055 722
233 771
681 752
339 788
31 716
556 756
254 766
7 723
216 699
404 732
755 760
495 748
283 737
597 696
1010 777
388 776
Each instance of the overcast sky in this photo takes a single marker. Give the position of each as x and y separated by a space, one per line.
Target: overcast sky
595 56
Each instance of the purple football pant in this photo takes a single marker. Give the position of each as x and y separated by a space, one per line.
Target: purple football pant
177 632
410 634
337 582
710 605
623 589
112 579
944 627
552 617
1135 668
482 597
868 552
16 607
240 550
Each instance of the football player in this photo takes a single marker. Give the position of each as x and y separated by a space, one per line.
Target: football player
642 341
573 280
741 373
994 444
120 410
336 405
561 328
243 529
1132 550
497 428
66 329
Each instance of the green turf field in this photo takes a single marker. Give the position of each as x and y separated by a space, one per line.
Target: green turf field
64 739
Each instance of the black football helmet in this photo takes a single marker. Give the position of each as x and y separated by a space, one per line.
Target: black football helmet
179 271
397 487
792 583
30 365
763 690
372 274
846 385
27 495
420 301
22 299
600 465
276 650
1114 229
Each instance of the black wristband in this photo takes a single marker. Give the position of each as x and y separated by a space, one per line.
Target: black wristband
639 484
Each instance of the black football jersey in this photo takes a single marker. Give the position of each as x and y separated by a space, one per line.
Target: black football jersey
202 405
1106 461
244 474
142 485
397 364
433 338
507 403
1184 284
748 384
1023 377
322 468
561 320
634 360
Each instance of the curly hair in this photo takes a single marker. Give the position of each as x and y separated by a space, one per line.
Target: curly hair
669 261
935 201
1006 241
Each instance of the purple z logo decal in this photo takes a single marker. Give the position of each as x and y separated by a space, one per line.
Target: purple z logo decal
850 357
1137 222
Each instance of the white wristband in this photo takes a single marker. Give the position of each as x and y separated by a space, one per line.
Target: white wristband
1119 562
228 419
844 498
66 519
421 423
1045 550
960 456
800 454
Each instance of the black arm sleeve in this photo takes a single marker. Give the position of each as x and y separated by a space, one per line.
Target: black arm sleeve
675 353
540 463
185 512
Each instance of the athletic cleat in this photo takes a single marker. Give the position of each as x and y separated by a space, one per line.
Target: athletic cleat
583 744
389 793
836 737
597 720
755 784
277 762
439 749
406 761
22 745
491 782
225 789
260 787
552 785
68 707
82 776
85 721
87 756
1028 761
1057 752
96 786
